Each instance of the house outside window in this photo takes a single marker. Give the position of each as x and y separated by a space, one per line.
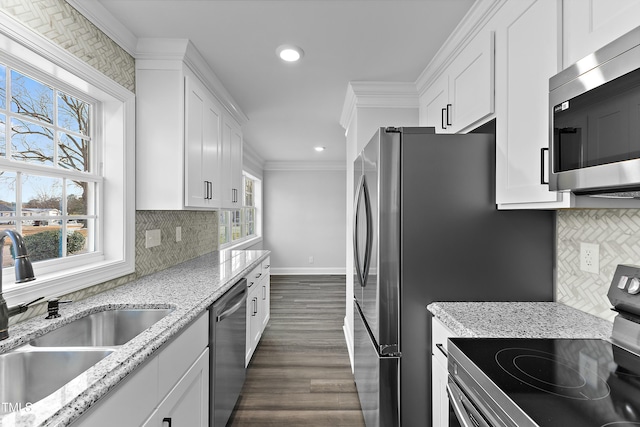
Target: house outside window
239 225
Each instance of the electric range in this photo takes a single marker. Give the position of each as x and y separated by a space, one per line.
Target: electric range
553 382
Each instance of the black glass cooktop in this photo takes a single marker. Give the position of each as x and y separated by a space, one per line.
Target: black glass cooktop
562 382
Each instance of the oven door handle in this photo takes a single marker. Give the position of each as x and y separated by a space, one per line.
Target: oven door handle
466 413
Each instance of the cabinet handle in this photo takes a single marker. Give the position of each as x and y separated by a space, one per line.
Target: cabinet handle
255 306
166 420
442 350
258 275
206 190
442 114
542 162
448 114
210 190
264 293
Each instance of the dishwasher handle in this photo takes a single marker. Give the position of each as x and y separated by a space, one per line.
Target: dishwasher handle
241 300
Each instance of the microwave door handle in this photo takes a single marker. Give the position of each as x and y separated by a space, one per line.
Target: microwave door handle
542 163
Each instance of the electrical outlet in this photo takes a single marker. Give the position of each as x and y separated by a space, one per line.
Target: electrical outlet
178 234
152 238
310 260
590 257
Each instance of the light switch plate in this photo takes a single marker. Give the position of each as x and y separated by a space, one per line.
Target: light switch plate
152 238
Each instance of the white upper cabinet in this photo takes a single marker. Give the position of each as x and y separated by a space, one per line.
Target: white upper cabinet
231 165
202 147
184 158
527 55
589 25
463 94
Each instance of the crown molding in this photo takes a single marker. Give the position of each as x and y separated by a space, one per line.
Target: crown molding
377 95
304 166
480 13
165 49
251 159
107 23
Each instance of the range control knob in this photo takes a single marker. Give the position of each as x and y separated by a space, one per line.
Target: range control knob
622 283
634 286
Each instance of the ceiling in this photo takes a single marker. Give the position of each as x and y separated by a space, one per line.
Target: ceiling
294 107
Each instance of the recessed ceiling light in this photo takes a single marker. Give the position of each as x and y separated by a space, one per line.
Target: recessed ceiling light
289 53
319 149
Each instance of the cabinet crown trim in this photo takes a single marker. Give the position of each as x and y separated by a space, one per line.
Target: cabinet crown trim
377 95
184 50
472 23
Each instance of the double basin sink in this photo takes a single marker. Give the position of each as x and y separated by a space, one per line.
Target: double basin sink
33 371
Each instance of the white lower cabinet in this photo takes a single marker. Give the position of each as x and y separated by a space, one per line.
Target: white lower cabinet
439 399
258 306
174 385
187 404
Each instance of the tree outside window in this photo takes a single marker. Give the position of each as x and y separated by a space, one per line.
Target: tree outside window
47 178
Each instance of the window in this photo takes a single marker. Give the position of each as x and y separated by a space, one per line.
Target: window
66 169
242 224
48 180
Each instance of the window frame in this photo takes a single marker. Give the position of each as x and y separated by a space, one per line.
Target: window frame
257 205
36 55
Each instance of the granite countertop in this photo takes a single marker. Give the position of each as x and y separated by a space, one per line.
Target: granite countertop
519 320
188 288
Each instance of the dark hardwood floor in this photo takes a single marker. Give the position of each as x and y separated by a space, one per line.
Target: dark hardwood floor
300 373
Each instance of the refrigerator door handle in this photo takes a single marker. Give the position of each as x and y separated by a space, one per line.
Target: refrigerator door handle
362 270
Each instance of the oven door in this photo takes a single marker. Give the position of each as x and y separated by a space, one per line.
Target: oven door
463 413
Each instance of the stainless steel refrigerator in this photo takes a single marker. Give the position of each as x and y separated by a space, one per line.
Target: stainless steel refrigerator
426 229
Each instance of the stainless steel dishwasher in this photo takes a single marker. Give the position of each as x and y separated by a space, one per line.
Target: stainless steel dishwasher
227 340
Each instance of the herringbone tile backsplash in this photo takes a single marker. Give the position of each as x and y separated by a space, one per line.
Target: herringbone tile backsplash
617 232
61 23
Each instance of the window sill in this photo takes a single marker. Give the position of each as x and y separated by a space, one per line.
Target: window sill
241 245
57 284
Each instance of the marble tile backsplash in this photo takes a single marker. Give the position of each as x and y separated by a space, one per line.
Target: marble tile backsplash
199 237
617 232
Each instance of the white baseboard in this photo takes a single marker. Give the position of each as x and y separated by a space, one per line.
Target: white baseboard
291 271
349 338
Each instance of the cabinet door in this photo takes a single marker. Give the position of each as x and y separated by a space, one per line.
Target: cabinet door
589 25
196 188
471 78
440 400
433 105
266 294
202 146
236 167
257 311
187 404
211 153
524 64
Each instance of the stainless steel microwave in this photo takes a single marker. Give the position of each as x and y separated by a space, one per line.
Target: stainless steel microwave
595 122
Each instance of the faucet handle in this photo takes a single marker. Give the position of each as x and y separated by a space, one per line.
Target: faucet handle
53 305
22 307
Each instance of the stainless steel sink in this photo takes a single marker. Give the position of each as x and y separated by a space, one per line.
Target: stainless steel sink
30 375
103 329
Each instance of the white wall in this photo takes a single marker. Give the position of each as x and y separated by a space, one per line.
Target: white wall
304 214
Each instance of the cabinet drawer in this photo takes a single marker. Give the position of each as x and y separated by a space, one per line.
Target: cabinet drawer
439 336
253 278
178 356
266 266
